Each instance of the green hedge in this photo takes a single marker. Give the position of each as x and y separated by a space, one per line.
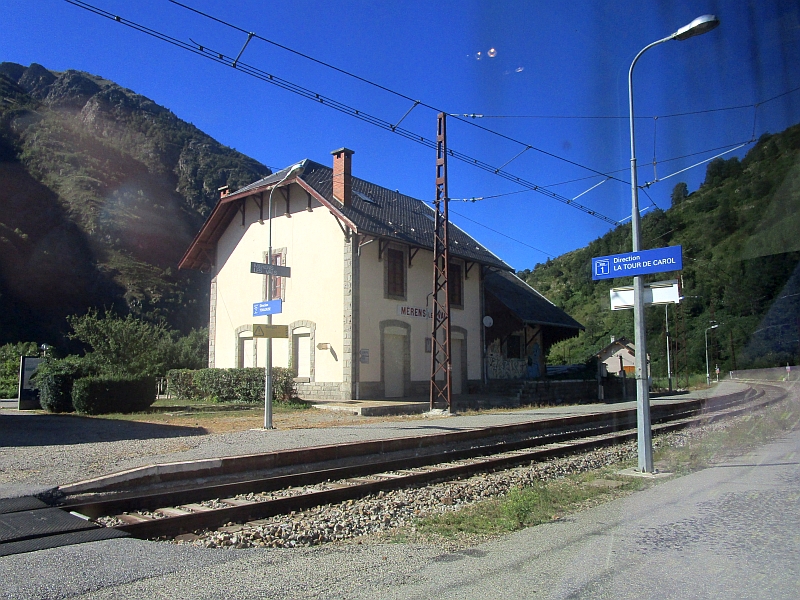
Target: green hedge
180 383
105 394
54 379
230 385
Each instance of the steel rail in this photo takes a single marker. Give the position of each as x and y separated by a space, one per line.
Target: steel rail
594 424
393 474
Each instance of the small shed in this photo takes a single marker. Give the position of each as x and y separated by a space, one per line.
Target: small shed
618 356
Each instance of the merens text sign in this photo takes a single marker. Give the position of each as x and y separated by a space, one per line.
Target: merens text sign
643 262
417 312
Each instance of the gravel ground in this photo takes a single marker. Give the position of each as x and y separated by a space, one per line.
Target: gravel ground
40 452
547 561
386 511
556 560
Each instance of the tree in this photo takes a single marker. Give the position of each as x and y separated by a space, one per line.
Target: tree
9 366
679 193
124 345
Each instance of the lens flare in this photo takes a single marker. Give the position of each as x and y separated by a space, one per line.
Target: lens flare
491 53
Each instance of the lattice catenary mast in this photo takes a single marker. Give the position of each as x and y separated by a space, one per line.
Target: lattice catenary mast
441 375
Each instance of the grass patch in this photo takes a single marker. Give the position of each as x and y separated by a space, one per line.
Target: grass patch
549 500
738 437
529 506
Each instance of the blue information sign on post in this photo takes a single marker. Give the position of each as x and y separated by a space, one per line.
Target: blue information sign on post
272 307
643 262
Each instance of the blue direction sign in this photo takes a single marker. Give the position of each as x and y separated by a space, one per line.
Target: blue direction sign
643 262
273 307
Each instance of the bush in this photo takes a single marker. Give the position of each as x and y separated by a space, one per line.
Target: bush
9 366
231 385
283 387
105 394
180 383
54 379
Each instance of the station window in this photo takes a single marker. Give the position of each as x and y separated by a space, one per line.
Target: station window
456 286
395 274
514 346
277 282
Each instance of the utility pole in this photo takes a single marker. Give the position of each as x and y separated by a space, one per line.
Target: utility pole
441 375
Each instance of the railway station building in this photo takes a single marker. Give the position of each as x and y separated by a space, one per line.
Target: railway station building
357 302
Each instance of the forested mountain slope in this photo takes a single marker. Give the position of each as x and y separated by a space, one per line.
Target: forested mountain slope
740 234
101 192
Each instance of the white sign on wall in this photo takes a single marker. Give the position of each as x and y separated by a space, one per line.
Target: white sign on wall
658 292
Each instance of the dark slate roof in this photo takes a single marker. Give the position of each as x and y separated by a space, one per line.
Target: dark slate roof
525 302
387 213
375 210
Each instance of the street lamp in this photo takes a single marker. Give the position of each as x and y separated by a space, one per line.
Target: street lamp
708 372
293 171
699 26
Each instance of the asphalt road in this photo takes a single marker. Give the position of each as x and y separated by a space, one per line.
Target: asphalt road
731 531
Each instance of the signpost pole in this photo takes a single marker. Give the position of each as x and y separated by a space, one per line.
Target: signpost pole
268 367
644 436
295 170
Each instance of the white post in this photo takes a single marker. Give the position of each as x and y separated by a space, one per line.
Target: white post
669 366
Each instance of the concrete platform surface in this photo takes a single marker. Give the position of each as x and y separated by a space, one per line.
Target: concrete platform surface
41 452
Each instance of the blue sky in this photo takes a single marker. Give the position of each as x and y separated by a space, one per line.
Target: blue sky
550 75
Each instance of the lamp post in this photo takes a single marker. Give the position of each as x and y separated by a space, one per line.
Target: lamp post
708 372
699 26
293 171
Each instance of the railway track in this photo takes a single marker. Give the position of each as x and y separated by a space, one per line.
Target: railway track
169 513
185 507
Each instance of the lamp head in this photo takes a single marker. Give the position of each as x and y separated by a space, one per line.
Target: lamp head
296 170
699 26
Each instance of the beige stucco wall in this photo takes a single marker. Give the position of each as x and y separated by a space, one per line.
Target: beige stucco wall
375 308
313 244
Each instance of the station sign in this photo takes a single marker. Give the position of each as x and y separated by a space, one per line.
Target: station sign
658 292
270 331
644 262
271 307
267 269
28 395
417 312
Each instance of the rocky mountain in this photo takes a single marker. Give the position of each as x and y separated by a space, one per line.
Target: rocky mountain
101 191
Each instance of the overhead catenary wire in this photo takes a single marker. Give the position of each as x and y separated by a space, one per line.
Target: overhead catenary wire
697 164
222 58
666 160
626 117
388 90
503 234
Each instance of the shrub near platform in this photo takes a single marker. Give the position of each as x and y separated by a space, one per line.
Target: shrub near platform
54 380
180 383
113 394
230 385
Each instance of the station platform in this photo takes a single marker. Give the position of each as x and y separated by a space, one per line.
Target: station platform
41 452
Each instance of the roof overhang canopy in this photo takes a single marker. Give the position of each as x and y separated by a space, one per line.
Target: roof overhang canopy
512 304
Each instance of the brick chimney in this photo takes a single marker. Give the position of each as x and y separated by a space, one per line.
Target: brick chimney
224 191
342 183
